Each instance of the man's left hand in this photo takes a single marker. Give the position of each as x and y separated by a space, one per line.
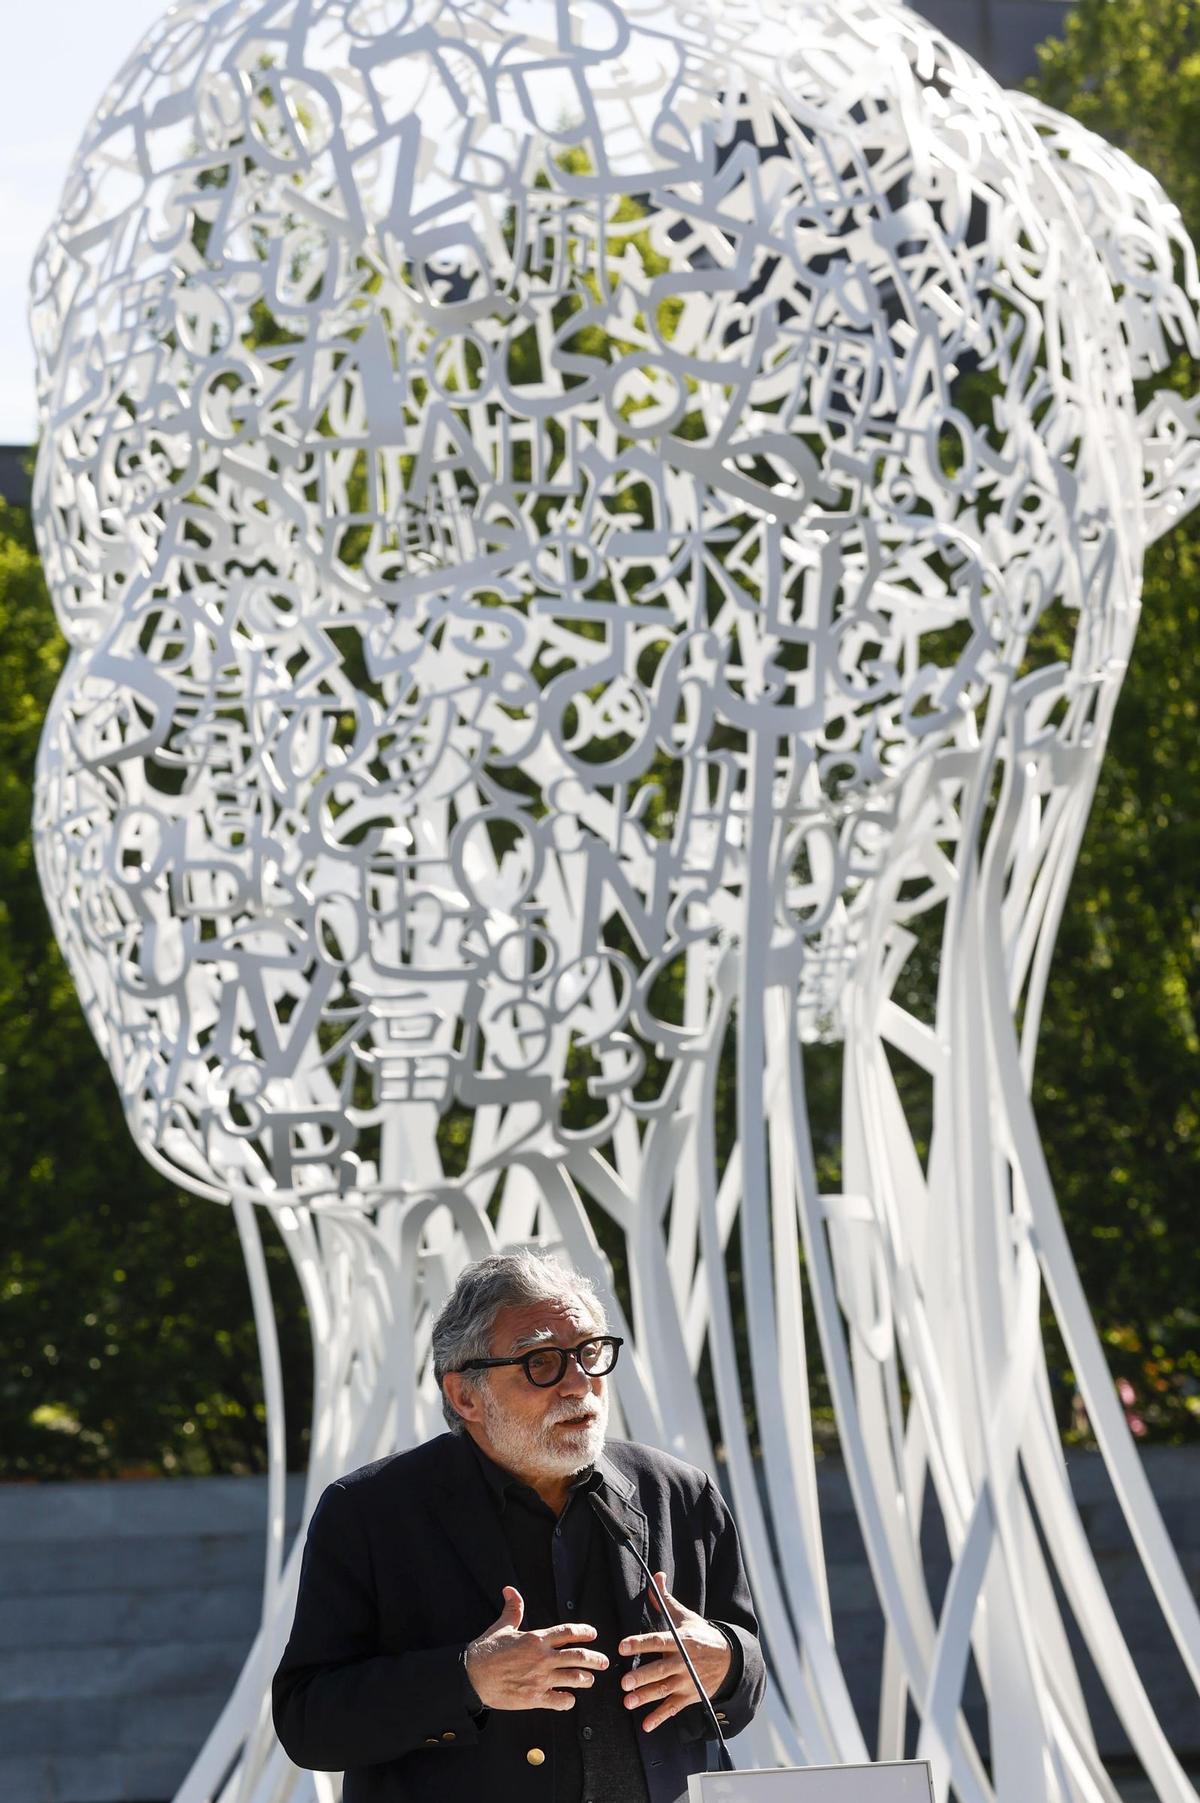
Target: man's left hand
664 1680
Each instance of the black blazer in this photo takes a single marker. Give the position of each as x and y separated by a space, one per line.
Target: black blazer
404 1565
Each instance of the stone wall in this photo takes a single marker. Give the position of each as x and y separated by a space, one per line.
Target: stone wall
126 1609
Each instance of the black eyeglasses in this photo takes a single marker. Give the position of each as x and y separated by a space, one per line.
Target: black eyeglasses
546 1366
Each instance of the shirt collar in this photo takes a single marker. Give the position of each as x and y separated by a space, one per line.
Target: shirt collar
501 1482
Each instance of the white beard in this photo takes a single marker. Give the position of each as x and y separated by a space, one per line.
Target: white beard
546 1451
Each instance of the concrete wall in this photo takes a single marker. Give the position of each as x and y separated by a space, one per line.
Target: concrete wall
126 1609
16 484
1174 1474
1001 34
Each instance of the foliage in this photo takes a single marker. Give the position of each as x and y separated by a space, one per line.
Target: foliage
1131 72
125 1321
1118 1077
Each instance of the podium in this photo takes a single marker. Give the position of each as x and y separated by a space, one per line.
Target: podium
891 1781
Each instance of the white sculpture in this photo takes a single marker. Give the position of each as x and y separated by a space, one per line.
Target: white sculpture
563 515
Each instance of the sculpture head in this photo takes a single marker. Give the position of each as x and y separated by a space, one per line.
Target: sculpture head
526 489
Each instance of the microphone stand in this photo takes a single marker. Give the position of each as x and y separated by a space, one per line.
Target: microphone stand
612 1527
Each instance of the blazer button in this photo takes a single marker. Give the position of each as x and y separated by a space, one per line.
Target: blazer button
535 1756
448 1735
721 1718
431 1740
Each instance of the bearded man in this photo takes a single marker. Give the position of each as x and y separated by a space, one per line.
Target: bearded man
469 1623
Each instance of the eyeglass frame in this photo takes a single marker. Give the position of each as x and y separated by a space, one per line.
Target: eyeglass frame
566 1353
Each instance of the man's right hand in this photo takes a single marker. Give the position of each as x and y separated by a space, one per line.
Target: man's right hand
540 1669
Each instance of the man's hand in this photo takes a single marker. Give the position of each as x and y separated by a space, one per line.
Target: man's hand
665 1680
540 1669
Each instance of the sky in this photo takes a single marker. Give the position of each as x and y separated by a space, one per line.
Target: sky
58 58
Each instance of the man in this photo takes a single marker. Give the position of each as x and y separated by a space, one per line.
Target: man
467 1629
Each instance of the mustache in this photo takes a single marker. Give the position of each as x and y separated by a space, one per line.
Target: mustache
574 1414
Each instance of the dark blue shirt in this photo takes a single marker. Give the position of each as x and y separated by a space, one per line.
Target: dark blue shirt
562 1570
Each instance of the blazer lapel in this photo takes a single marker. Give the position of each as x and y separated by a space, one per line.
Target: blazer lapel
633 1606
468 1517
466 1513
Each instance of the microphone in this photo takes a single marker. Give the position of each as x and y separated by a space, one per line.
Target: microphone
612 1527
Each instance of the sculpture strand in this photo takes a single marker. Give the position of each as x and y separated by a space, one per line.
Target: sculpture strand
599 544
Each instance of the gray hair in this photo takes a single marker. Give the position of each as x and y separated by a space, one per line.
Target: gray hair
463 1329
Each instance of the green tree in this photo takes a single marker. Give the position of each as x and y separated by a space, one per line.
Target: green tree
1118 1077
128 1342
